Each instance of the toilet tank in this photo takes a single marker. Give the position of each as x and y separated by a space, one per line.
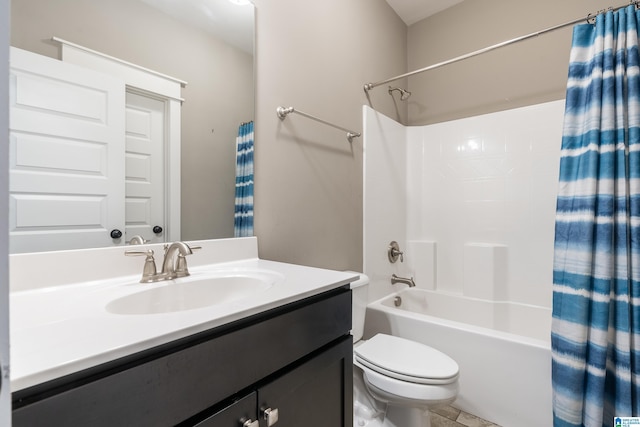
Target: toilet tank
360 299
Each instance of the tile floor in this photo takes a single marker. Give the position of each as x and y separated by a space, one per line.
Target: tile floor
449 416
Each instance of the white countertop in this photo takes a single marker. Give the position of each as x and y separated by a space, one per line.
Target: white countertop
59 330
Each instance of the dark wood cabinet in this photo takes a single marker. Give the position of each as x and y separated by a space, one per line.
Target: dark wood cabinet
296 359
311 395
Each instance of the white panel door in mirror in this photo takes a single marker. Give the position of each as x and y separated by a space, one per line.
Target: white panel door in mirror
144 167
66 142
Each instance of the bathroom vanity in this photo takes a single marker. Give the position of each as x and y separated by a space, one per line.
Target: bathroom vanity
278 356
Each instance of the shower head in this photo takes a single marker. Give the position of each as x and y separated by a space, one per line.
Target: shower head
404 94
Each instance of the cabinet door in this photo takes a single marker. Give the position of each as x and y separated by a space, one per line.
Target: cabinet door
239 414
318 393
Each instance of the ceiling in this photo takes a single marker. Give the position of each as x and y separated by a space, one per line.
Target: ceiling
235 23
412 11
231 22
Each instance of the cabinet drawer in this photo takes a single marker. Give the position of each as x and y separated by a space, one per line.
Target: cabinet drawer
235 414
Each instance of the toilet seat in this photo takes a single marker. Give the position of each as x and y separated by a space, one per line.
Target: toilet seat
401 371
391 390
406 360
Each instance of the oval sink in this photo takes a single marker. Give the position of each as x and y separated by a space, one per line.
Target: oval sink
190 293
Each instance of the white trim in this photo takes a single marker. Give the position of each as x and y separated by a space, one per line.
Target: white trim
157 85
172 172
134 75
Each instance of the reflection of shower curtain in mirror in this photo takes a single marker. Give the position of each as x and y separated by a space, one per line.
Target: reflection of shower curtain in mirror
596 296
243 217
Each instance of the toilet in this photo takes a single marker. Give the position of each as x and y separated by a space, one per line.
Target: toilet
396 380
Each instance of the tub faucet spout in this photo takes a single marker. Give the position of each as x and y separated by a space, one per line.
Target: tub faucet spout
397 279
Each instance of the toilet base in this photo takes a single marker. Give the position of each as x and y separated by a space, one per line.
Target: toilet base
394 417
366 411
369 412
363 418
398 416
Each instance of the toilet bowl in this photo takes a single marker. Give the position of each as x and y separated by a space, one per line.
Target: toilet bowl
396 380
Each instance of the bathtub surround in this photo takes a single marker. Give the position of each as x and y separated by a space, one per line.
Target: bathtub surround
472 197
485 271
473 202
423 262
484 188
385 203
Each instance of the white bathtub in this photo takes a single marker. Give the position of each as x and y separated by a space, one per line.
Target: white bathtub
503 350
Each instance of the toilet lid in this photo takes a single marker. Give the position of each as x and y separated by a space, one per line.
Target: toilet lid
406 360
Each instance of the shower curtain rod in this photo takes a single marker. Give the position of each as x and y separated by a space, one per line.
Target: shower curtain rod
284 112
588 19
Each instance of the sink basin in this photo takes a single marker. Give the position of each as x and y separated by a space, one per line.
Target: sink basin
192 292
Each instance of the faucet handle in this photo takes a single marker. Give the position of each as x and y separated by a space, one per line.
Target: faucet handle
393 252
149 270
192 248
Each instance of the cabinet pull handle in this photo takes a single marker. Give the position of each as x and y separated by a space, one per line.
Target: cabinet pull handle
270 416
250 423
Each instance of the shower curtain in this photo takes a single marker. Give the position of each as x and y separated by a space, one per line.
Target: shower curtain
596 279
243 216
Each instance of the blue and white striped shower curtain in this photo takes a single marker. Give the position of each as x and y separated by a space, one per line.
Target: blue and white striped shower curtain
596 278
243 216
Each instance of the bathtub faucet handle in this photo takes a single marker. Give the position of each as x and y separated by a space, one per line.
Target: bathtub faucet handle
394 252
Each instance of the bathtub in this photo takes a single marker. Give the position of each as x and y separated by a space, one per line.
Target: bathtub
503 349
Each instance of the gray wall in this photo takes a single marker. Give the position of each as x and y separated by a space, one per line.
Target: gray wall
525 73
218 97
316 56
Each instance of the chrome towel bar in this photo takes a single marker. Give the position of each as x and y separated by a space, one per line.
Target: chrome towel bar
284 112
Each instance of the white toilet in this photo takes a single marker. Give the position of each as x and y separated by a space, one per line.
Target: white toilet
395 380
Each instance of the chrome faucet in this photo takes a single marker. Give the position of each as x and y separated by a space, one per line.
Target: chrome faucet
174 264
137 240
396 279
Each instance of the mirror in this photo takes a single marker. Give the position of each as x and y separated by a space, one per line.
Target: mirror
207 43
